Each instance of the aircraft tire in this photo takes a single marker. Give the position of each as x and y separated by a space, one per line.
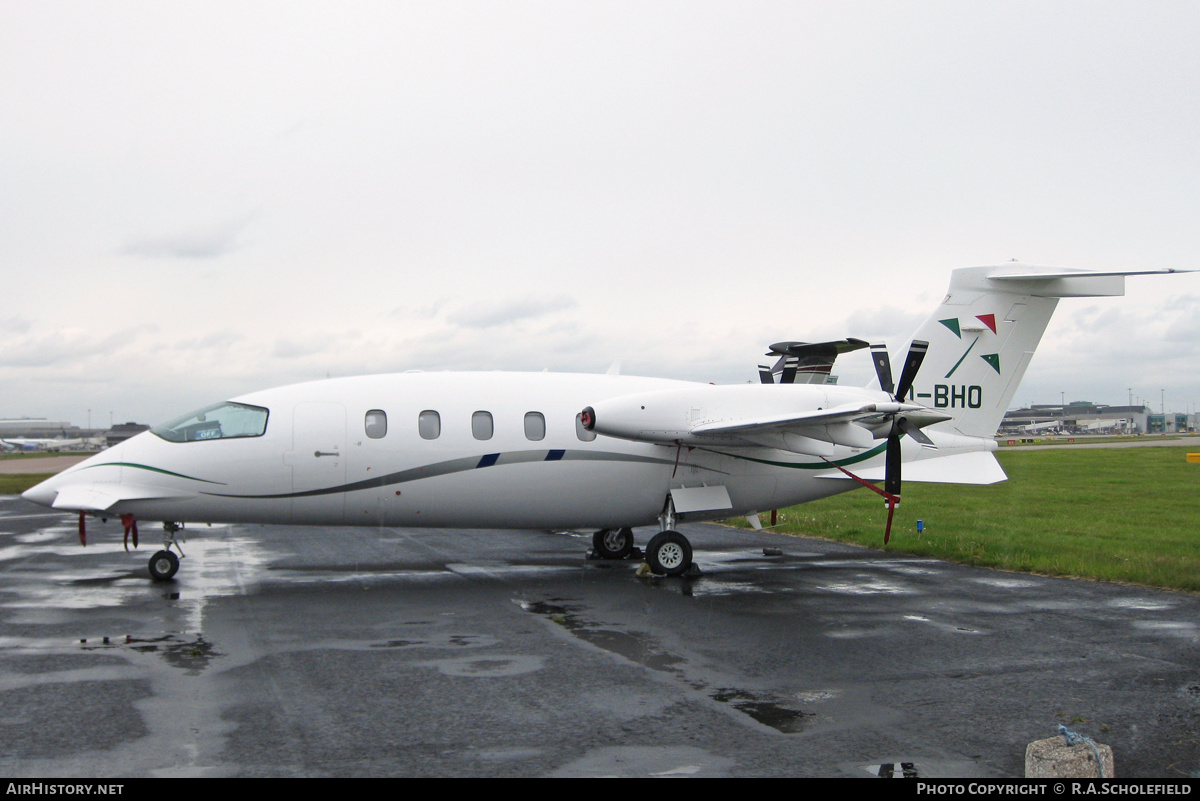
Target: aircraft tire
163 566
611 543
669 553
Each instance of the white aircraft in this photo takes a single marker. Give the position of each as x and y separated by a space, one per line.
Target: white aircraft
40 444
589 452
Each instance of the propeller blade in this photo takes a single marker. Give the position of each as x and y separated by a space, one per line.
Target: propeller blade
764 374
891 475
912 363
910 428
883 367
790 365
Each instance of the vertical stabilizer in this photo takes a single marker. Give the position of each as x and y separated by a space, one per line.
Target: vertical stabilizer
983 336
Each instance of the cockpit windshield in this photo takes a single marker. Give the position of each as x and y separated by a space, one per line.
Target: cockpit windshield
219 421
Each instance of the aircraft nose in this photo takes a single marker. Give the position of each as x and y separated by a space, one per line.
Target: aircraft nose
41 494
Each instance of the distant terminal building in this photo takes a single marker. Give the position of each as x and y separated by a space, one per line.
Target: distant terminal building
123 431
42 428
38 427
1170 423
1084 417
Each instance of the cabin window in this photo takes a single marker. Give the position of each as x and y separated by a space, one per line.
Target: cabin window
481 425
429 423
581 432
219 421
535 426
375 423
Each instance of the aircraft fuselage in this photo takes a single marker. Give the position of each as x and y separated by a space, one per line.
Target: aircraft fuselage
483 450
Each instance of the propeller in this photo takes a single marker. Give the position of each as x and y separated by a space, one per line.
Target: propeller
900 424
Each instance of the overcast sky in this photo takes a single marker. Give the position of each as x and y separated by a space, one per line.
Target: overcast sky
203 199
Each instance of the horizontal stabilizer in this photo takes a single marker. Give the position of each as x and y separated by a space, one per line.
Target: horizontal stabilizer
1050 282
979 467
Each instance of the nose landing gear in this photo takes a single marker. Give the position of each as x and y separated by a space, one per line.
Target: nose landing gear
164 564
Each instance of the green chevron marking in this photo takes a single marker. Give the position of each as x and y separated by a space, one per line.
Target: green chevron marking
952 324
993 359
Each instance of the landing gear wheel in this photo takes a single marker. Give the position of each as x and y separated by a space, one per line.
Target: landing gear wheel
669 553
610 543
163 565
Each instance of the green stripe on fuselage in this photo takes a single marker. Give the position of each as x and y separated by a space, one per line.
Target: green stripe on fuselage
878 449
137 466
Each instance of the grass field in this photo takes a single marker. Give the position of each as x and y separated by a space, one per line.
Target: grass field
16 483
1119 514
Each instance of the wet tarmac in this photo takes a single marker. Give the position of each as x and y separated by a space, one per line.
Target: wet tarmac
40 463
289 651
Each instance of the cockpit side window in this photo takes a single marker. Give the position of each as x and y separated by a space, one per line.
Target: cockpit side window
220 421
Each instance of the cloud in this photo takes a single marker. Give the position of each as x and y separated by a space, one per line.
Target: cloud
492 314
217 340
70 346
195 243
299 347
15 325
888 321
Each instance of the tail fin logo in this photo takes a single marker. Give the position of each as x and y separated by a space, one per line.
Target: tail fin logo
989 320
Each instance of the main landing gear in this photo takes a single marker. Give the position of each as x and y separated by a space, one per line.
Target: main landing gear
613 543
667 554
164 564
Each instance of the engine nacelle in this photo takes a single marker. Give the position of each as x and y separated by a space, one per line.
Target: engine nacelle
681 416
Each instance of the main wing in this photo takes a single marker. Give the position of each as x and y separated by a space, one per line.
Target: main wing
817 432
791 418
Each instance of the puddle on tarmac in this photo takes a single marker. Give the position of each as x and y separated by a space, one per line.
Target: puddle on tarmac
191 653
1150 604
1005 583
441 641
644 650
103 576
866 585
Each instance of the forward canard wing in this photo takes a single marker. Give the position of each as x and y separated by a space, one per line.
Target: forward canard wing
102 497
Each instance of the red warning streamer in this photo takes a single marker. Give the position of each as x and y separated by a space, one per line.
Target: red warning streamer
892 500
130 526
